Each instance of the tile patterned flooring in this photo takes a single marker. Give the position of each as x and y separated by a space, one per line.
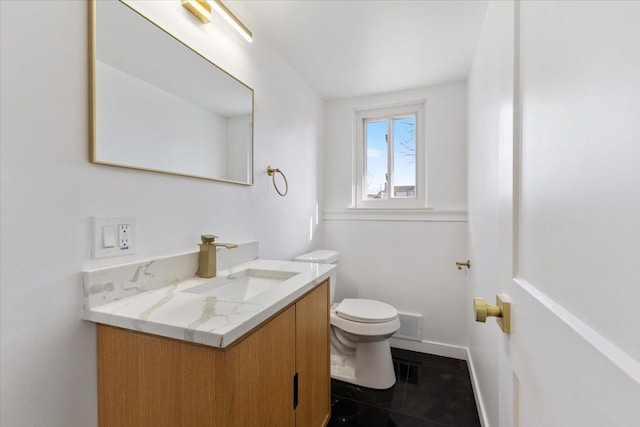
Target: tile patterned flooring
430 391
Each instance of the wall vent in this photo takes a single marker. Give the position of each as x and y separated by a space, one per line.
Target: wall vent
410 327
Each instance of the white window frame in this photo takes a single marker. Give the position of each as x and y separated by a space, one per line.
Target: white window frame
363 115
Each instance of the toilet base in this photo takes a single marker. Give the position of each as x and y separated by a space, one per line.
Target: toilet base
371 366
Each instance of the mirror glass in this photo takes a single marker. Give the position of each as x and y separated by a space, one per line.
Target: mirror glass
158 105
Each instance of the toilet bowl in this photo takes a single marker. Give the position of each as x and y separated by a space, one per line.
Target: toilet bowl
360 331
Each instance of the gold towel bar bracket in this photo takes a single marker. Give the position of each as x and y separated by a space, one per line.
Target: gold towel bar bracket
460 264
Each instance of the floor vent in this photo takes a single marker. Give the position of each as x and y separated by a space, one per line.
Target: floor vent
410 327
408 372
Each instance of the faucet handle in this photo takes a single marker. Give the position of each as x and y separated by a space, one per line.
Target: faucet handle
208 239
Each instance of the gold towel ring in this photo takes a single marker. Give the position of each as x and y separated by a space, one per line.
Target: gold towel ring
272 173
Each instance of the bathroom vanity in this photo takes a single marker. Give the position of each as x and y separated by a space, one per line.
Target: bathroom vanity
192 353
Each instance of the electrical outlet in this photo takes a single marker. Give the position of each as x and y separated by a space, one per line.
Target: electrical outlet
123 236
113 236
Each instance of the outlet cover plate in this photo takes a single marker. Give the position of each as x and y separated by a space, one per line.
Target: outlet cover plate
99 223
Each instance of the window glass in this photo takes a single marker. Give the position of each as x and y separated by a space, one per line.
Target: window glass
377 159
404 157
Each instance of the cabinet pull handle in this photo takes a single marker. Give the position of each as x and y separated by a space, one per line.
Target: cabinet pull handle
295 391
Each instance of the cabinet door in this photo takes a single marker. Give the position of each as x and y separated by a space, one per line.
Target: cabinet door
260 372
312 358
147 380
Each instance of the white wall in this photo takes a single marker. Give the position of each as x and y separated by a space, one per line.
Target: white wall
49 192
407 262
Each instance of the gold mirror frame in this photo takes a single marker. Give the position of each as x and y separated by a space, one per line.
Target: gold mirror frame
92 104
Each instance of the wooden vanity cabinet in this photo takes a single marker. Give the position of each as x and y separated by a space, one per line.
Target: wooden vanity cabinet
148 380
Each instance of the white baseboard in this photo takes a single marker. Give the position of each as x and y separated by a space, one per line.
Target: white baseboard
482 413
431 347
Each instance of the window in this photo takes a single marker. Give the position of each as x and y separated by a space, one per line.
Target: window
390 157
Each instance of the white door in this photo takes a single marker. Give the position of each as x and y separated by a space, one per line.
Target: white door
554 212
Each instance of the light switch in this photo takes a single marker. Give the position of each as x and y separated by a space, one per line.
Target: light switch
108 236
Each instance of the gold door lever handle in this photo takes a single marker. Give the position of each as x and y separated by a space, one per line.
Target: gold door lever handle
501 311
484 310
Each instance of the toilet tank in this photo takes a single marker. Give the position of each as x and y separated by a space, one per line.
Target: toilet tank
323 256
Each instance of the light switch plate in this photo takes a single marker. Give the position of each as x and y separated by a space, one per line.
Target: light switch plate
108 236
113 236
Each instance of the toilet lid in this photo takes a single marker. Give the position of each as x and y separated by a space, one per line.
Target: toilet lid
366 311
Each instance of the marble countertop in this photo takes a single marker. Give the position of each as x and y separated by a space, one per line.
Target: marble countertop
171 312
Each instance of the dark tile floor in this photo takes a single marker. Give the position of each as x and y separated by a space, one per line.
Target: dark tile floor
430 391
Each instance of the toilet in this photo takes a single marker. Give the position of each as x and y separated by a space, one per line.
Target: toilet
360 332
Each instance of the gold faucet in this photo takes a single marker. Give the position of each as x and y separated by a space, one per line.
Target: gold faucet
208 254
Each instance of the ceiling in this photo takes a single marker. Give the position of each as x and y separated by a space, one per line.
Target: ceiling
347 48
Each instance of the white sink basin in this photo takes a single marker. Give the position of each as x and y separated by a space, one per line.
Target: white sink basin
242 285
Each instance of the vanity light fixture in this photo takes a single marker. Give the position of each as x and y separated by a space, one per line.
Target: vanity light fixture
233 20
200 9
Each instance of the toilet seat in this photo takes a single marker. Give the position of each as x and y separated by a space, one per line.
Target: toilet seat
365 329
366 311
365 317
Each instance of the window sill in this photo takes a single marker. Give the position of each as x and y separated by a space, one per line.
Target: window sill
404 214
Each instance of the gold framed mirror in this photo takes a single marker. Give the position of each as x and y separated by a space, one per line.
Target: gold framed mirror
158 105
